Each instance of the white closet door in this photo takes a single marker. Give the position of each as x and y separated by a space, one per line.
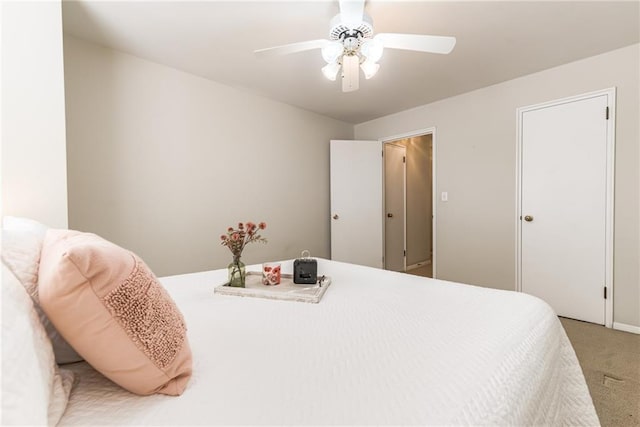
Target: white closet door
564 206
356 202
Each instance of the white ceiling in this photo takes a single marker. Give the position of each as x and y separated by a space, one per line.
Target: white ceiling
497 41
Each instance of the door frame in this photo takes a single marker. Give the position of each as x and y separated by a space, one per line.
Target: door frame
384 205
609 188
420 132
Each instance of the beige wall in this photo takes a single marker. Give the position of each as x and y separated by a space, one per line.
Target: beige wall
34 172
475 164
161 162
418 198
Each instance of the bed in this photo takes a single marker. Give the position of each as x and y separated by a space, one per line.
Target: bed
380 348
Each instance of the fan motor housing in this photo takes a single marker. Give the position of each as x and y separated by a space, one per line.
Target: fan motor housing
350 37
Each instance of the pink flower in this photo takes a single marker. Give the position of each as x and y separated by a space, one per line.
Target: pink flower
262 225
237 239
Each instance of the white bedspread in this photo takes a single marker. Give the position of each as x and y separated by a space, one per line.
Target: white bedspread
380 348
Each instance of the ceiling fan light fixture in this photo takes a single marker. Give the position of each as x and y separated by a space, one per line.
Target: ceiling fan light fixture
369 69
332 51
372 49
330 71
352 46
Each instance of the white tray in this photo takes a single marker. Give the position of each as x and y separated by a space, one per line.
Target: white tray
286 290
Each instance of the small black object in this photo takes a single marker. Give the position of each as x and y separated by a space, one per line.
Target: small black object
320 280
305 271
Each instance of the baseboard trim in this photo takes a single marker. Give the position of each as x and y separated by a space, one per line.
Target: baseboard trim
418 265
626 328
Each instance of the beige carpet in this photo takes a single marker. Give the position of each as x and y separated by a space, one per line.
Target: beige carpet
610 361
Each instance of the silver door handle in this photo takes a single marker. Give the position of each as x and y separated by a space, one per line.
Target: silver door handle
335 216
389 215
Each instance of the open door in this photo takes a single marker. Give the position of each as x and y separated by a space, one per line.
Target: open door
356 202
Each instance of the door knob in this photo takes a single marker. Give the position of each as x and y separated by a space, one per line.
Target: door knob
389 215
336 216
528 218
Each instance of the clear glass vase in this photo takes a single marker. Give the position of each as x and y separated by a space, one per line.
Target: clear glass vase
237 273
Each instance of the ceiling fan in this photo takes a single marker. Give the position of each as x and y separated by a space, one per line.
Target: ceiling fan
352 45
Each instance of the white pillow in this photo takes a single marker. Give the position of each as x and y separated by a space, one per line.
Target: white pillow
34 390
19 223
21 246
21 253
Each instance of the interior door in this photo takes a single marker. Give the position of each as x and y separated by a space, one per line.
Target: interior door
395 182
356 202
563 206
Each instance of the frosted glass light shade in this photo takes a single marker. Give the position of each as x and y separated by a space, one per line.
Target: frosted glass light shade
369 68
330 71
332 51
372 49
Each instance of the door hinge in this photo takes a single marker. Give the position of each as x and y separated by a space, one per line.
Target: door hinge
607 113
605 292
382 153
404 159
404 253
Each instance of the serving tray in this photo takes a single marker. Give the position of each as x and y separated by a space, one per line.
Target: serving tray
285 291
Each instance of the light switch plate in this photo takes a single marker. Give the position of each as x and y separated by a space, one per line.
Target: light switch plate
444 196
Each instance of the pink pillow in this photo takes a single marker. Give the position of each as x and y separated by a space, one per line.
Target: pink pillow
110 307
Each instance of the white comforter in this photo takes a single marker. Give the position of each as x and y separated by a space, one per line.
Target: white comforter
380 348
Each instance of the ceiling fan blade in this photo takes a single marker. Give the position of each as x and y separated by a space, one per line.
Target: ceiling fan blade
350 73
290 48
351 12
421 43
